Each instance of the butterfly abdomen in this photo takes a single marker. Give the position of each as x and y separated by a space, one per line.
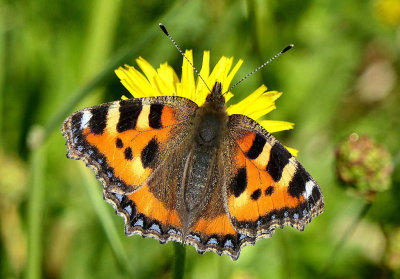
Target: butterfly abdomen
198 178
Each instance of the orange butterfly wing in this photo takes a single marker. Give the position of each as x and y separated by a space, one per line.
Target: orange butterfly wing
126 143
268 187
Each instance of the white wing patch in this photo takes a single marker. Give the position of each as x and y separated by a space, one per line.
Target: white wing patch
87 115
309 187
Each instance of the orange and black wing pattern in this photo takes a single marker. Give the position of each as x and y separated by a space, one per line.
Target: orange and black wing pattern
141 149
268 187
126 143
214 231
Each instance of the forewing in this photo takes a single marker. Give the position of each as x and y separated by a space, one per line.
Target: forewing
123 140
127 143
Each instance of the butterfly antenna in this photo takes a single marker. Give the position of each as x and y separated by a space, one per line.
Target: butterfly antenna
262 66
181 52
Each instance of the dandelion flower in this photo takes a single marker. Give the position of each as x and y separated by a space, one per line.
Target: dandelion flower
165 82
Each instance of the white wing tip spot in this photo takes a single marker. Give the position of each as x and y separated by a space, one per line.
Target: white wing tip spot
309 187
87 115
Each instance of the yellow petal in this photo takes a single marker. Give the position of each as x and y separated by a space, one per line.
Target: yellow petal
294 152
134 81
219 72
147 69
244 104
233 72
187 88
228 96
257 104
165 80
202 91
205 70
273 126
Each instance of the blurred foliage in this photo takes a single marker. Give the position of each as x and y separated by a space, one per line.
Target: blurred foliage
59 56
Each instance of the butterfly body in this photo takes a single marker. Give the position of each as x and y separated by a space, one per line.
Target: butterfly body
177 171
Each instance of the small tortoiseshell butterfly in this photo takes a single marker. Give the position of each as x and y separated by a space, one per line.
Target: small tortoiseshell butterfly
192 174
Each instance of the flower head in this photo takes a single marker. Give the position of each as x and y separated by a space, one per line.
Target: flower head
363 164
165 82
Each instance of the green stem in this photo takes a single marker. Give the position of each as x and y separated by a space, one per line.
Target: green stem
345 236
2 72
35 213
179 260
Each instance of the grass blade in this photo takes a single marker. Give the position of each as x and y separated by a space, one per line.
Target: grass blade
92 186
35 212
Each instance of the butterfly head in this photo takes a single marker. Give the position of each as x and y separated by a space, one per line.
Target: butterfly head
211 118
216 97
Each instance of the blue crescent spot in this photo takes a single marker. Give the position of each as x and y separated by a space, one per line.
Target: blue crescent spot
212 241
128 208
228 243
119 197
172 231
155 227
139 223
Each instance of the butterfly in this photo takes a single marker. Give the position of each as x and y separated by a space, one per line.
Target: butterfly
178 170
192 174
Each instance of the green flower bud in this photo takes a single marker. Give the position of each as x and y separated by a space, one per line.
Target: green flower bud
363 164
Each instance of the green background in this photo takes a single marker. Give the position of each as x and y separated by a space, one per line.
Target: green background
59 56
